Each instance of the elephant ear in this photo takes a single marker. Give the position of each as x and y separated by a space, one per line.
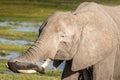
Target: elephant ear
97 41
41 27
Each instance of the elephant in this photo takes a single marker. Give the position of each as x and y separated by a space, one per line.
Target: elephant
87 39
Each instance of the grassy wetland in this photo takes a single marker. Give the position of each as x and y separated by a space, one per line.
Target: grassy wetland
16 35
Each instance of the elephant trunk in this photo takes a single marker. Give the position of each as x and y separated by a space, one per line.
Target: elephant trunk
39 69
28 59
32 55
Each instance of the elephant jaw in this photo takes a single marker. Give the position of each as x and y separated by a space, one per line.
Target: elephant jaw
28 67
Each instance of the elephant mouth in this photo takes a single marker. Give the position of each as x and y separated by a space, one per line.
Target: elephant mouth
23 67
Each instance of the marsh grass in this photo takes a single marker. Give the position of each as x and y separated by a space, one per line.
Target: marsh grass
4 28
25 11
26 77
13 47
3 67
39 10
5 32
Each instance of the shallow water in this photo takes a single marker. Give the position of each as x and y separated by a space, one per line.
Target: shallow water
9 72
20 42
22 26
5 23
11 55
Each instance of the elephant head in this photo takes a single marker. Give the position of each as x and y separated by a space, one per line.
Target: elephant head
57 40
82 38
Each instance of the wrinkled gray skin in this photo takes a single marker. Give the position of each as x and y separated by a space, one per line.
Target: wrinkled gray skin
89 36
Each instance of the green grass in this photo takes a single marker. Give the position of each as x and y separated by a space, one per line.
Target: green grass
26 11
6 33
3 67
4 28
39 10
15 35
47 76
13 47
26 77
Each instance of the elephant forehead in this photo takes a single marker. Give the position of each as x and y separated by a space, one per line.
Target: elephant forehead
61 20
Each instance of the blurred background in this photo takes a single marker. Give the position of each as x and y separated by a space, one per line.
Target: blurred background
19 24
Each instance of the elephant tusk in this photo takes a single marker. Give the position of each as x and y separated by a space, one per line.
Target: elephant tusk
7 65
46 63
24 71
27 71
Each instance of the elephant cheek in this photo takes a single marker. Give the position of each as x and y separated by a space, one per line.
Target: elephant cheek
59 55
62 55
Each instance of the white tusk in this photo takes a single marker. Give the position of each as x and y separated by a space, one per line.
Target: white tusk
7 65
46 63
27 71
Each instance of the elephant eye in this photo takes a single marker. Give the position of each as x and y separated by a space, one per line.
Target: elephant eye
62 36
